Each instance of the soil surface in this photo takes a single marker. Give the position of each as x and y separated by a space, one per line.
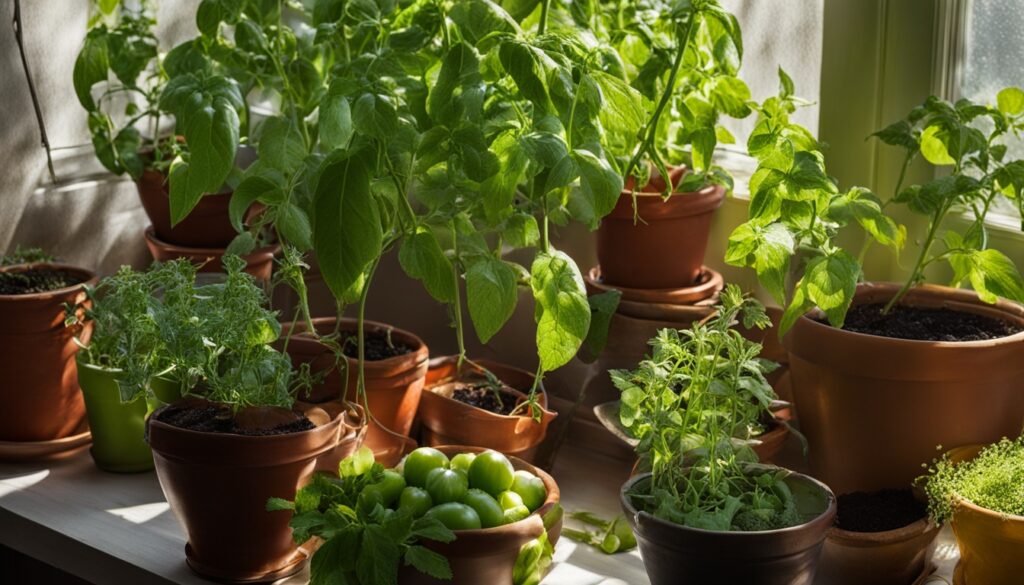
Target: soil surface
879 511
482 396
37 280
208 419
378 345
926 324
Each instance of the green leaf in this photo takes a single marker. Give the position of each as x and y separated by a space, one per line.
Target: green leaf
347 232
521 231
91 67
428 562
527 66
499 190
730 95
108 6
432 529
491 295
458 92
186 58
277 504
562 312
253 188
336 557
899 134
602 307
933 148
767 250
293 223
336 126
1010 101
829 282
375 116
379 563
533 559
991 274
242 244
281 145
482 19
862 206
422 258
786 87
599 190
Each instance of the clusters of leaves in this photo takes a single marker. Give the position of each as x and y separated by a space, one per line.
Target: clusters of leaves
212 339
609 537
26 256
796 211
993 480
694 405
968 139
364 543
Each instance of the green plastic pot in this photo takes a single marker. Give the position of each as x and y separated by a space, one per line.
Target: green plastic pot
118 429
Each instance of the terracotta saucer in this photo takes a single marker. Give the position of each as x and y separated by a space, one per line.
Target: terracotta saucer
294 565
708 285
47 450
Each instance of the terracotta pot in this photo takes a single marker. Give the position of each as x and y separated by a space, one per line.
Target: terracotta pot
789 556
874 408
206 226
393 385
902 556
665 248
488 555
41 399
708 284
259 263
990 543
351 436
218 484
118 429
447 421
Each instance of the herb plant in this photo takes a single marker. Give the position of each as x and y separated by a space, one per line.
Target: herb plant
26 256
609 537
968 139
693 404
993 480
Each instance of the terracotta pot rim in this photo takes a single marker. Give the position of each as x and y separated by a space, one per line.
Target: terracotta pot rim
679 203
417 357
825 329
151 420
90 280
828 513
709 283
554 495
885 537
261 253
451 402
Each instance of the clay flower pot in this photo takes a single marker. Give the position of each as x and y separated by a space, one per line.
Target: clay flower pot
665 248
393 385
788 556
259 263
218 484
447 421
118 429
41 400
207 225
902 556
351 436
704 290
874 408
488 555
990 543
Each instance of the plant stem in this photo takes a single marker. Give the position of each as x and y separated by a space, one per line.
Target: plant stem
916 275
360 327
545 6
18 28
457 305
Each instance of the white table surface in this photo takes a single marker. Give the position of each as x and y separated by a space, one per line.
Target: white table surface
110 528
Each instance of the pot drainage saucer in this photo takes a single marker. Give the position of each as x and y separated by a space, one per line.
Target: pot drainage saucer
294 565
51 450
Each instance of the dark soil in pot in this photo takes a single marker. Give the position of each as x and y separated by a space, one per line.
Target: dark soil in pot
924 324
377 345
210 419
483 396
38 280
879 511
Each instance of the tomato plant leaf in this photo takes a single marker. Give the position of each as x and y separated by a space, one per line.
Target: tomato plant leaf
422 258
562 311
491 296
428 562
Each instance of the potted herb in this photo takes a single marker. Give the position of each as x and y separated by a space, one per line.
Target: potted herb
42 402
459 515
883 538
911 359
977 489
128 88
117 364
707 509
235 440
683 58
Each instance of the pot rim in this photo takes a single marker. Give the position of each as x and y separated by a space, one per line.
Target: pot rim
419 355
258 255
448 402
885 537
827 513
554 495
825 329
152 420
90 280
709 283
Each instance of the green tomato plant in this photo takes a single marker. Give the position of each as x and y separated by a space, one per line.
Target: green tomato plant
694 405
968 140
